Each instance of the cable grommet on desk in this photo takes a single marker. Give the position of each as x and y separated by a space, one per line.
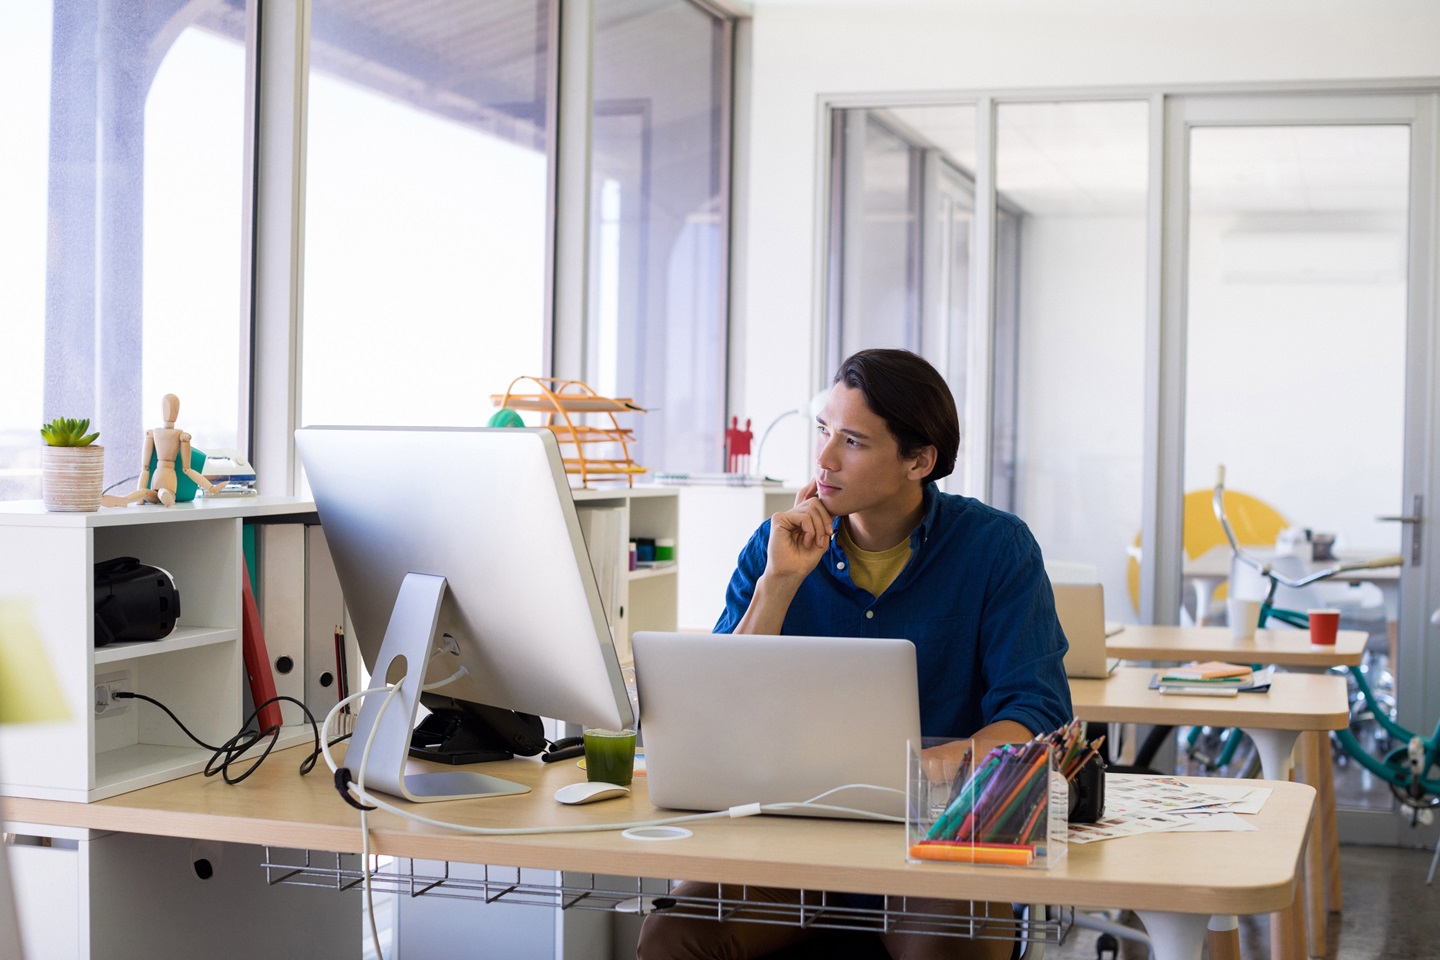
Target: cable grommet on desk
656 833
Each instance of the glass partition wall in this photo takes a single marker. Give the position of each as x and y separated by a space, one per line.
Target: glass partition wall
1156 285
900 242
1063 356
1077 174
1297 242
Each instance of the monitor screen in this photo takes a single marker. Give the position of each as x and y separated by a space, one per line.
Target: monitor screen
516 621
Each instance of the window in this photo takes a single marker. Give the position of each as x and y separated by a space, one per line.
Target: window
880 303
425 210
120 226
659 226
901 243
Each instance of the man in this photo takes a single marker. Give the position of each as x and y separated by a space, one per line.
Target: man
873 548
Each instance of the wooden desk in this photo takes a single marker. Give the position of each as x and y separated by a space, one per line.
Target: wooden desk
1296 703
1285 648
1175 881
1290 649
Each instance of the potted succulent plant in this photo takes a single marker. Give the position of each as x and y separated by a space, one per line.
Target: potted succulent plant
72 467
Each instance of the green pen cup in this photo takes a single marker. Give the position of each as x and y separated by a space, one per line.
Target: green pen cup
610 756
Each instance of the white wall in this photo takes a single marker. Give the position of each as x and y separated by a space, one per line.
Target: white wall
802 50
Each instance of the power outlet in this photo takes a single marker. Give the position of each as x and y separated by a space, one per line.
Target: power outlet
106 686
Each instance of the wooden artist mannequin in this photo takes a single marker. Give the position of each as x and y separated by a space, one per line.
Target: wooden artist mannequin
166 443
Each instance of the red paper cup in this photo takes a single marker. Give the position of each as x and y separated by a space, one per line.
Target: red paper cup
1324 624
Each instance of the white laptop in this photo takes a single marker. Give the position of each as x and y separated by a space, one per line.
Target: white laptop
735 719
1081 609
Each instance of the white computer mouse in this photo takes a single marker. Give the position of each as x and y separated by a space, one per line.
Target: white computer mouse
588 792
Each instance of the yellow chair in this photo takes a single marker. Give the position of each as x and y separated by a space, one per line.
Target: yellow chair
1254 521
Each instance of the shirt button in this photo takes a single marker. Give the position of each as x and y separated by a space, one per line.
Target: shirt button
840 565
869 614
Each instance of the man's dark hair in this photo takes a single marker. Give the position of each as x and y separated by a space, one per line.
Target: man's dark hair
912 398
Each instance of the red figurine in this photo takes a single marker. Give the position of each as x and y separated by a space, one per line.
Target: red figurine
737 446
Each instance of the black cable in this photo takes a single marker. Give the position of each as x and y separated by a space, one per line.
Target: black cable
237 746
566 748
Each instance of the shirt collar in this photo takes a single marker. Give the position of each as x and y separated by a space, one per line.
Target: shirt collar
930 494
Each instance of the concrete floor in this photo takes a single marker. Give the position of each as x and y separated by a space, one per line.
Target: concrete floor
1390 914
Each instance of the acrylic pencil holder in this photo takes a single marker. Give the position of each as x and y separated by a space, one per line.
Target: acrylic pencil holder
1006 809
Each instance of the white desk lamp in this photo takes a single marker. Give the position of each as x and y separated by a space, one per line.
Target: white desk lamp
810 410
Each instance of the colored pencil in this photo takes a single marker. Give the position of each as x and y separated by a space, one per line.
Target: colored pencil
964 853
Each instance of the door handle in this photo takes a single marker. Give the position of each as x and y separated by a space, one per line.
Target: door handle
1415 517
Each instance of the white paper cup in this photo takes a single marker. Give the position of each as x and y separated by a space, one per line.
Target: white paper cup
1243 615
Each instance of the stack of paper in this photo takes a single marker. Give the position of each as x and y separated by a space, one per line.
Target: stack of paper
234 470
668 479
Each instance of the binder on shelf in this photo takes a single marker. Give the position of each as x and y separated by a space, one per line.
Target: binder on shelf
282 609
327 664
603 530
257 659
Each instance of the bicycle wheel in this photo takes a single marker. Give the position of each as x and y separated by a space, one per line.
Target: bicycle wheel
1216 751
1408 791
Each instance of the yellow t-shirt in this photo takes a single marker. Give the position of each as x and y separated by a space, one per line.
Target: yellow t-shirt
874 571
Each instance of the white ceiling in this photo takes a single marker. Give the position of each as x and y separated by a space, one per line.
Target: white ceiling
1091 158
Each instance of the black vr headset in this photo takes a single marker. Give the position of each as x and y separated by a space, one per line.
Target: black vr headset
133 601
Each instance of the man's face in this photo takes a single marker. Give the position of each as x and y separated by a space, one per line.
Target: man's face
857 459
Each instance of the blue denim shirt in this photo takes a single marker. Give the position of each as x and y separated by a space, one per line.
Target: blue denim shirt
975 601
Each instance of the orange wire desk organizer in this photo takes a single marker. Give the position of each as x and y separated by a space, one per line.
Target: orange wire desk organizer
558 400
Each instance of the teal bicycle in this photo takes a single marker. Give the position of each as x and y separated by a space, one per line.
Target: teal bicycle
1411 769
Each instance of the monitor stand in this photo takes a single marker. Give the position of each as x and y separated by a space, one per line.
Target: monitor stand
409 638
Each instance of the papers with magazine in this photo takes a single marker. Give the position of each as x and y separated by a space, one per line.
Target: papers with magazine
1140 804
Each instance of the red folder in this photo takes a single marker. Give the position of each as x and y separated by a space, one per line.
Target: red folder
257 662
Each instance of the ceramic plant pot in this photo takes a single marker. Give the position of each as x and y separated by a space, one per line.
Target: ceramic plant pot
71 478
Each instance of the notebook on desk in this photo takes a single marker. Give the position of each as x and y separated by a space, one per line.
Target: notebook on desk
735 719
1081 609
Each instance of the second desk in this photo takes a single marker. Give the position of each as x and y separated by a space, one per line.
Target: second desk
1293 650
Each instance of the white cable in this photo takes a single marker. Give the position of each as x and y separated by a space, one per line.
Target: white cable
528 831
357 789
463 671
365 824
854 786
805 805
811 804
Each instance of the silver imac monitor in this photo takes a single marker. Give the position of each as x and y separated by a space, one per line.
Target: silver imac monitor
465 575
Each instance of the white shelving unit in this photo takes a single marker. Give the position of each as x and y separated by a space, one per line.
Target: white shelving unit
644 599
101 895
47 562
715 522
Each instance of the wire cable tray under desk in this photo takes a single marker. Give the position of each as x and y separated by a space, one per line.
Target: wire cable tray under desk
588 891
